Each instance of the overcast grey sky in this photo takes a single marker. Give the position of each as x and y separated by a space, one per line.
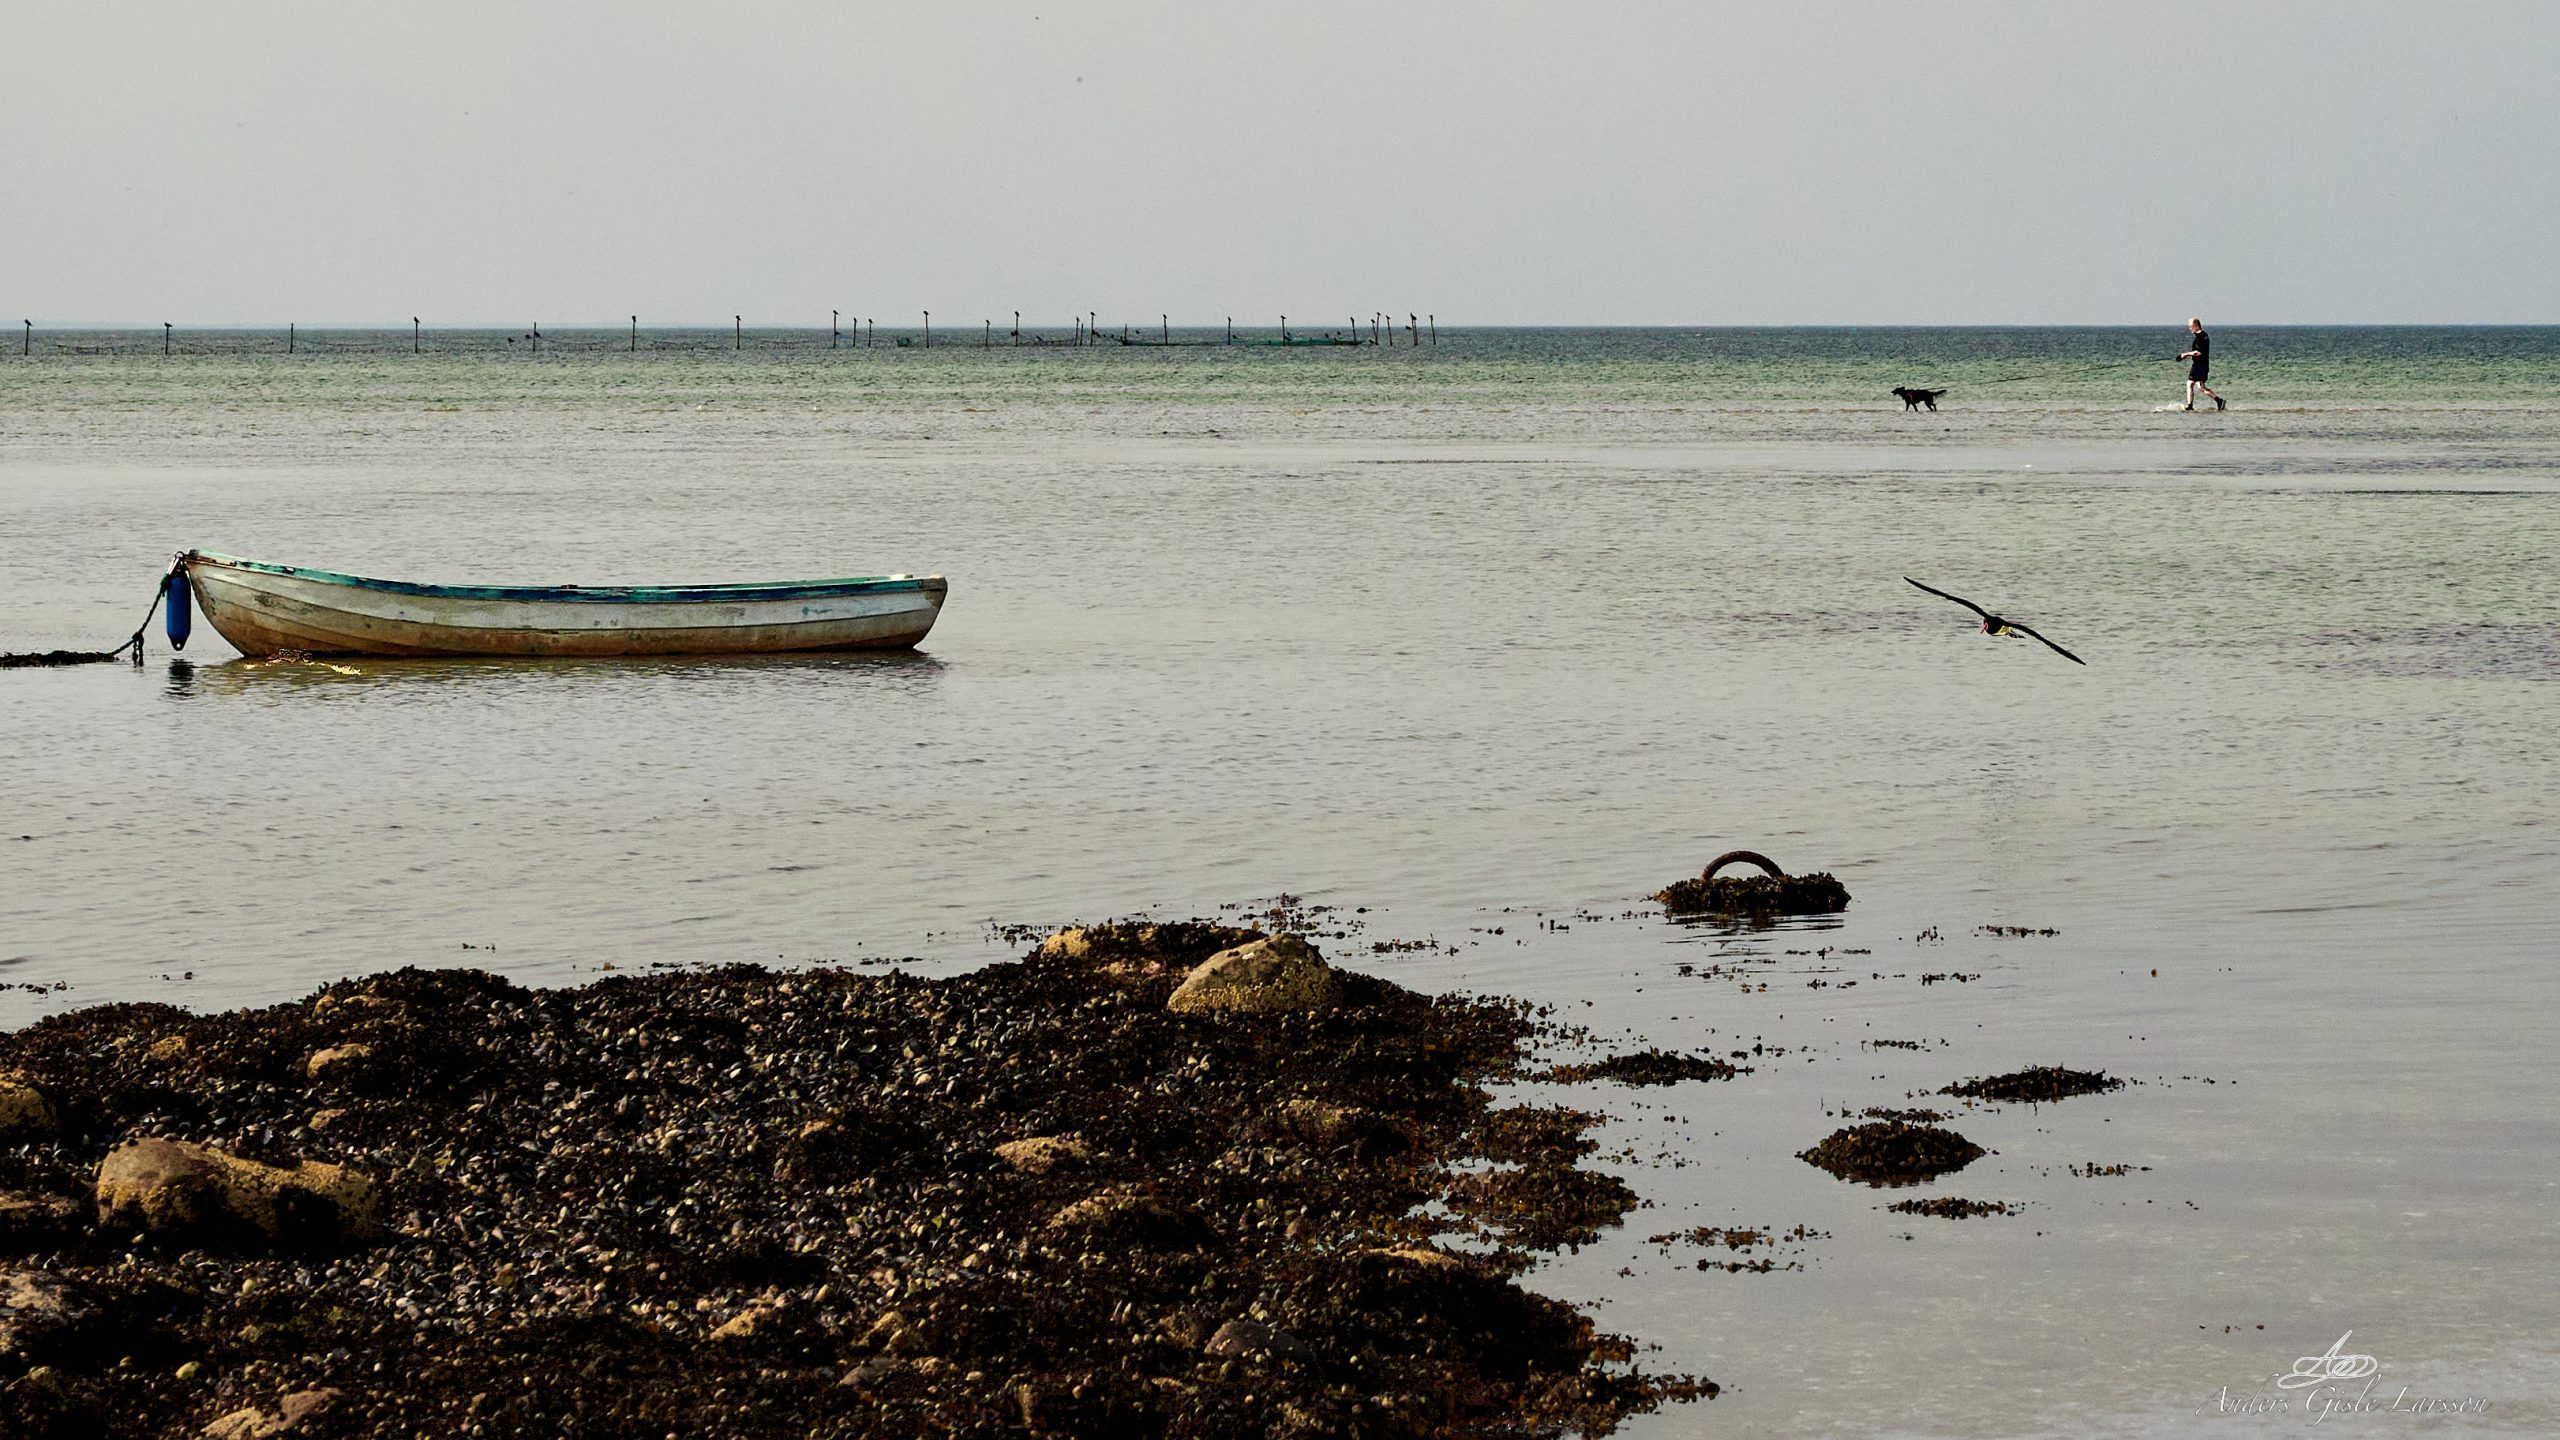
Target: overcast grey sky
1583 163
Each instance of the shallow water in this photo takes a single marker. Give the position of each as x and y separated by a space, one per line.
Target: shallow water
1508 631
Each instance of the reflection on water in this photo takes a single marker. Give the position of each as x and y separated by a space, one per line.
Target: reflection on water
397 677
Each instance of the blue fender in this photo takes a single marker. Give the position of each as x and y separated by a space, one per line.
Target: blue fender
180 619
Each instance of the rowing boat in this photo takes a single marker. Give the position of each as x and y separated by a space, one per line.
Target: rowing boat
271 609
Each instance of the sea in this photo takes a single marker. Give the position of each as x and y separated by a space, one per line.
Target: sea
1457 651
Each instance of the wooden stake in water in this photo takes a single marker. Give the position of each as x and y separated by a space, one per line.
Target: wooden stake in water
288 337
413 334
1435 329
164 337
1413 327
1017 329
834 324
928 329
1231 331
27 341
1284 329
635 334
1164 328
737 332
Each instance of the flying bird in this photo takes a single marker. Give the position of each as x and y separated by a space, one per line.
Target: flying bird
1994 625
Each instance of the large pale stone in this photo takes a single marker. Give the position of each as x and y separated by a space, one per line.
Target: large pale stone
289 1417
1423 1257
1041 1154
1132 952
1241 1337
748 1324
179 1188
337 1060
23 1108
1281 973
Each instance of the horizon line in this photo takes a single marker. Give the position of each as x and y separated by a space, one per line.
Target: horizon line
625 325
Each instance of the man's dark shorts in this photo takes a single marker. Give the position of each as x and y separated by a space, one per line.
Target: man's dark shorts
2196 370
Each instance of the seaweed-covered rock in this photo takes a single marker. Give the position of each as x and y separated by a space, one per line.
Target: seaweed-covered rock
2039 1083
195 1192
1818 894
1774 892
1133 951
29 1222
1280 973
1648 1067
1890 1152
1130 1217
1323 1126
1536 1134
1542 1207
39 1309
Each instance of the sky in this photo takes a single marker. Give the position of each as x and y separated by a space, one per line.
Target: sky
1490 163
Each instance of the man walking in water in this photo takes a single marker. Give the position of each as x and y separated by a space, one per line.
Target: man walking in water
2199 363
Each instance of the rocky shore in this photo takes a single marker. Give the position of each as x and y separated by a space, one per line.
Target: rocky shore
1149 1181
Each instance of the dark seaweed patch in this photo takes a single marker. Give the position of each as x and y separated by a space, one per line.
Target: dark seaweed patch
1819 894
1889 1152
2041 1083
744 1203
1952 1207
1646 1067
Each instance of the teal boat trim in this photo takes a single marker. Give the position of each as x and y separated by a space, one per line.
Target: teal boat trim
614 594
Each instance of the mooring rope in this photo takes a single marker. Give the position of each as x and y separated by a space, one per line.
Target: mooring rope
37 659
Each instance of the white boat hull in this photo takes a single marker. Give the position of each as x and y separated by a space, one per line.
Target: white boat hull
266 610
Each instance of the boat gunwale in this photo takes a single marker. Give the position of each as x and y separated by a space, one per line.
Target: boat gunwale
589 594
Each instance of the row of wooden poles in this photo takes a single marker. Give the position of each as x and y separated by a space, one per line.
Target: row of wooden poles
1087 330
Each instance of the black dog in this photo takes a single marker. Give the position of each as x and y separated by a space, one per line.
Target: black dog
1914 399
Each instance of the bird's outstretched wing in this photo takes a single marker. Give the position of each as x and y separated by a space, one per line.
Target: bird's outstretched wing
2056 649
1943 595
